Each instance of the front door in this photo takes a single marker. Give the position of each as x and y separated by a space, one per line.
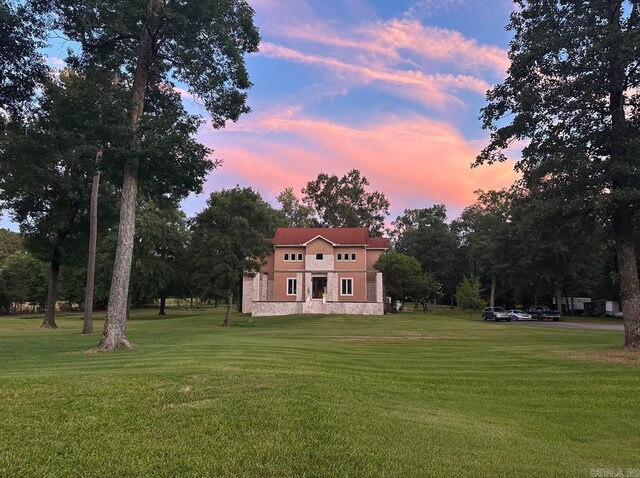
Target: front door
319 287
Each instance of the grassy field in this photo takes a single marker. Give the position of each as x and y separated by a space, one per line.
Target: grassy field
333 396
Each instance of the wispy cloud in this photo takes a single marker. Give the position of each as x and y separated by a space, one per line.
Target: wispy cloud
429 89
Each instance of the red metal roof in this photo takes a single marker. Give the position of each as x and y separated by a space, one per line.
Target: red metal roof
290 236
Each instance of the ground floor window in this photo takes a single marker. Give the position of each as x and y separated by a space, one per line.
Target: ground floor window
346 286
292 286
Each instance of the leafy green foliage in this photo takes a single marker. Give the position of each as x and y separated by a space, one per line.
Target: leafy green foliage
22 67
403 278
295 214
230 238
46 165
485 232
345 202
159 251
573 91
401 274
10 243
425 235
24 280
199 43
468 294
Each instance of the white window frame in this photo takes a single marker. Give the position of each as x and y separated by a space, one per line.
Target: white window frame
290 281
300 257
343 282
339 257
353 257
285 257
319 258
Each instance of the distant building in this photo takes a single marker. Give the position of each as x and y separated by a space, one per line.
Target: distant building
318 271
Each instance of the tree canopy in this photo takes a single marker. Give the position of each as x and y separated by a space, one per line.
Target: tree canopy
572 92
22 67
346 202
230 239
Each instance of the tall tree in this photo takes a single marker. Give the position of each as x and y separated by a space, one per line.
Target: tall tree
46 161
426 235
199 43
572 90
231 240
484 228
87 322
346 202
161 240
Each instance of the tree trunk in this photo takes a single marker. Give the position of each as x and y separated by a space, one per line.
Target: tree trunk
620 185
558 294
87 327
163 302
629 283
49 321
114 333
227 314
492 300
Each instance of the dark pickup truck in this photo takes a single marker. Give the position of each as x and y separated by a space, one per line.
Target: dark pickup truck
542 313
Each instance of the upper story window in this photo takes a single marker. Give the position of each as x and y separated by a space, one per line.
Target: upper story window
346 257
319 256
292 257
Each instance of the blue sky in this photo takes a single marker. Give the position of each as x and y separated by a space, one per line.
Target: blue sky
390 87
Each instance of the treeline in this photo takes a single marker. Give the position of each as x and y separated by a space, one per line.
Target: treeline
525 246
570 99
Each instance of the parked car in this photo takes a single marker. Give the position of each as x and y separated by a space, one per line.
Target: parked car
516 314
495 313
541 313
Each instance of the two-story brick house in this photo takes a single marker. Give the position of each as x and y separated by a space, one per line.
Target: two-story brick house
318 270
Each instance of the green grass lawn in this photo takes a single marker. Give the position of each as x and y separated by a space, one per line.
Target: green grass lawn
403 395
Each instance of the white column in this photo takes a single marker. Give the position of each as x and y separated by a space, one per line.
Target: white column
379 288
299 290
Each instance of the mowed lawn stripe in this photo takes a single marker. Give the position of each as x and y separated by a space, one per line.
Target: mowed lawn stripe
403 395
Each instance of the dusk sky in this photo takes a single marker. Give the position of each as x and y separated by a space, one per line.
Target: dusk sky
390 87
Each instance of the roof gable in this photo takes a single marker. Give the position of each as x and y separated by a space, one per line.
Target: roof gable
343 236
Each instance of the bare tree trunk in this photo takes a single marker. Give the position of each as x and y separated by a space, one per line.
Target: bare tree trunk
620 184
114 333
492 300
163 302
629 283
227 314
558 294
49 321
87 326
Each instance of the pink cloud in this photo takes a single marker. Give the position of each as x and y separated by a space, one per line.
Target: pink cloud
437 43
411 160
